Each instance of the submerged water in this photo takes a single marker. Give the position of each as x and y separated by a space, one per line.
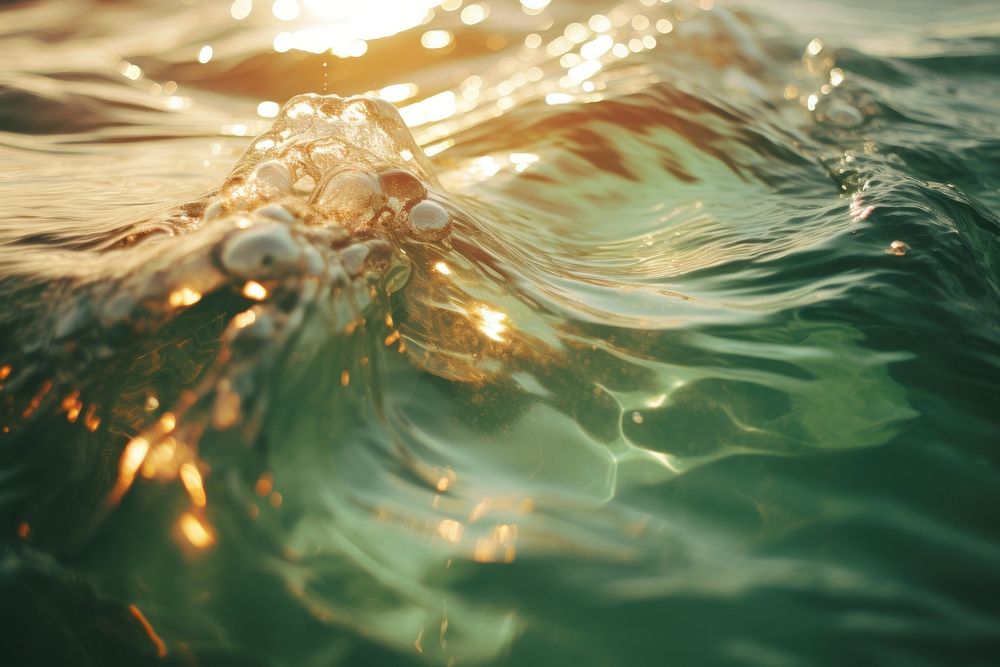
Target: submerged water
703 368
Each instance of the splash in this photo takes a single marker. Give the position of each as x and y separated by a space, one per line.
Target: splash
311 225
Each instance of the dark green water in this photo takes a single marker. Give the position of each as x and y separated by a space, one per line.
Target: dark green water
705 372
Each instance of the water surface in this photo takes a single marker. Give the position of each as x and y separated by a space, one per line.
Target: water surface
704 372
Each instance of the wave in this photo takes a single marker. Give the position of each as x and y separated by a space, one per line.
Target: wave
695 335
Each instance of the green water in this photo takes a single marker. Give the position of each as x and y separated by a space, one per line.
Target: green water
705 373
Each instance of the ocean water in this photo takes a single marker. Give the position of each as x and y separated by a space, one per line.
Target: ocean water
642 333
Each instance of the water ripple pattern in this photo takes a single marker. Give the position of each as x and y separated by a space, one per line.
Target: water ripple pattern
440 332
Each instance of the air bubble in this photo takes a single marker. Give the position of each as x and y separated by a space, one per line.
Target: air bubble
401 187
260 252
270 179
353 259
351 197
842 114
214 210
897 248
428 221
275 212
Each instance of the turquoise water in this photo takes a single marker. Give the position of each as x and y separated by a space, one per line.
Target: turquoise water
702 370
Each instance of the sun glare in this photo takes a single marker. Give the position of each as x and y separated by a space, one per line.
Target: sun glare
344 28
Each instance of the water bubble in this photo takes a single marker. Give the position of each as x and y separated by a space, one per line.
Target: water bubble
842 114
897 248
313 261
270 179
374 254
428 221
214 210
402 187
353 258
351 197
262 251
275 212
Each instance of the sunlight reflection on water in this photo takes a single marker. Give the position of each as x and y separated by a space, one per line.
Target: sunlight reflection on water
660 347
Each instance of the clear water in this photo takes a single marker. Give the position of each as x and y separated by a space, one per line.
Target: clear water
705 372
